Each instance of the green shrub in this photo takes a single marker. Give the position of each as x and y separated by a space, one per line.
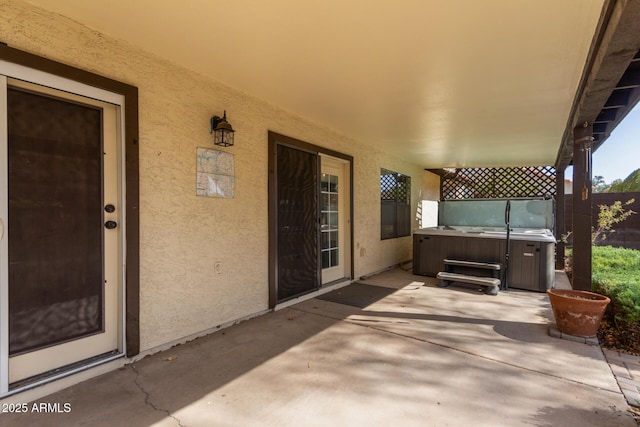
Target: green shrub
616 273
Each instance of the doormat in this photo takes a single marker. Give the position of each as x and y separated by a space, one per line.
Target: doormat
357 295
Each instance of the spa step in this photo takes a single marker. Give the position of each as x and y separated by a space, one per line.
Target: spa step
491 284
474 264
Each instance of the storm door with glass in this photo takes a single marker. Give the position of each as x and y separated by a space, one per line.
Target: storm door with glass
297 242
60 254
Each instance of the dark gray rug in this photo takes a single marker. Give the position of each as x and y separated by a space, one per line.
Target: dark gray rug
357 295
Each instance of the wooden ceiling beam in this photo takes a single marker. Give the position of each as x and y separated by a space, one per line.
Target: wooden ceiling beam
607 115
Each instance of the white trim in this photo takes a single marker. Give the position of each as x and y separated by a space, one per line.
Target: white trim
382 270
63 380
183 340
122 221
4 243
30 75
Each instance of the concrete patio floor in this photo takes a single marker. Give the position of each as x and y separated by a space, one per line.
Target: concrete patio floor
419 356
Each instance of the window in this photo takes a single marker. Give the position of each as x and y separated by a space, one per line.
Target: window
395 204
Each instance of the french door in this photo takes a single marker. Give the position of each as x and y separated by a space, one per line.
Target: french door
310 218
334 193
61 209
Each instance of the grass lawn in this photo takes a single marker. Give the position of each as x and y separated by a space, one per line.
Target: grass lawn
616 273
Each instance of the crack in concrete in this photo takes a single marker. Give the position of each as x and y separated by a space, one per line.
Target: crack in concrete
147 398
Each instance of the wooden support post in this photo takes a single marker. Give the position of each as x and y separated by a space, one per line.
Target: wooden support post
560 219
582 139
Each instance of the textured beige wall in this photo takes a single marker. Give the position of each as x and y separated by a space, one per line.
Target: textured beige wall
430 186
183 235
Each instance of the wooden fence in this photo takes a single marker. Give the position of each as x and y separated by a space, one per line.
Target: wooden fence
627 233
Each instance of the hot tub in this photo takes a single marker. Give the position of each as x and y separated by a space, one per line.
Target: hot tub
517 233
531 252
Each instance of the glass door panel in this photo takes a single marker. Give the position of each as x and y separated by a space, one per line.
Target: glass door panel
332 219
55 232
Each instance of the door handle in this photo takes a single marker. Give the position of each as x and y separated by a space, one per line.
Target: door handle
110 225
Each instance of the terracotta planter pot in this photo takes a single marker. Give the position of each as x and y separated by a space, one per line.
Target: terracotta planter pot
577 313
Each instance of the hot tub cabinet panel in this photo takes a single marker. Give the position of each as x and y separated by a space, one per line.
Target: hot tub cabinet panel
430 251
531 255
531 265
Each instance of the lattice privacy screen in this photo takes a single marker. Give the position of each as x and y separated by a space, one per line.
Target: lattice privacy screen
395 204
395 186
498 183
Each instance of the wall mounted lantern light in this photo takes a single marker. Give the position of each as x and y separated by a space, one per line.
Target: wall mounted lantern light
222 131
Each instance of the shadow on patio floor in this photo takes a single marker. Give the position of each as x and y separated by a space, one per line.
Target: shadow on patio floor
418 356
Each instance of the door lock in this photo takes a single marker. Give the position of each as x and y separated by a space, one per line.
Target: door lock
110 225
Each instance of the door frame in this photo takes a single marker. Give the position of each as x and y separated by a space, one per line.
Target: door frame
26 65
274 140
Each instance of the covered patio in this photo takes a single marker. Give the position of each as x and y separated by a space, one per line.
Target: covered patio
396 350
218 288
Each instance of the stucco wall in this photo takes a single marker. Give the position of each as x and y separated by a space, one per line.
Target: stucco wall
183 235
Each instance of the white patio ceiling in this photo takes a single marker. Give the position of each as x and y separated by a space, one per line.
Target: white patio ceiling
442 83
